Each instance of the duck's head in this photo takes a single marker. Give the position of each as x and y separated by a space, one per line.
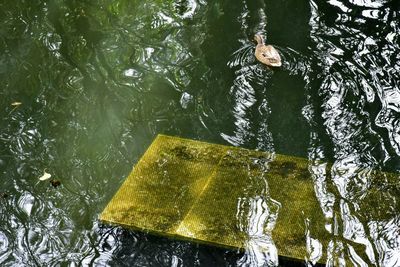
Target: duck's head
259 39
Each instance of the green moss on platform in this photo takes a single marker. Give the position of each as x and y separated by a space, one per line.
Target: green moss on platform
195 190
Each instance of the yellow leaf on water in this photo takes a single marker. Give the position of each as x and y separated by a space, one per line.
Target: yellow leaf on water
16 104
45 176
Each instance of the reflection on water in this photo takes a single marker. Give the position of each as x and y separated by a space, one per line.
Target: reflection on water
259 222
97 81
357 61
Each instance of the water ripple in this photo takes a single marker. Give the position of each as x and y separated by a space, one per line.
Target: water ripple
98 81
358 94
258 224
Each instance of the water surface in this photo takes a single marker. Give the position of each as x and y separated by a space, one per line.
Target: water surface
97 81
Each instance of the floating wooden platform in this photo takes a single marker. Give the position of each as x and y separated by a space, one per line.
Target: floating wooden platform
219 195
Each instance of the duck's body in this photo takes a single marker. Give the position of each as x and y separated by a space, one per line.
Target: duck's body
266 54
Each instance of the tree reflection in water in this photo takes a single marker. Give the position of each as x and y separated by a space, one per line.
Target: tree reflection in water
353 94
351 76
258 223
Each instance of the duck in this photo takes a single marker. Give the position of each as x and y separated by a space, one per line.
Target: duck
266 54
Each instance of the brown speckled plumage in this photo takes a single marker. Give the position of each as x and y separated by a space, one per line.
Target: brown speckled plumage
266 54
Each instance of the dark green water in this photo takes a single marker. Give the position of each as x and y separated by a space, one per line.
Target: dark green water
98 80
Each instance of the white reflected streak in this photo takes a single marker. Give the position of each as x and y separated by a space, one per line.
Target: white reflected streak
358 234
355 259
162 19
369 3
3 242
243 93
249 77
315 14
148 52
335 254
339 5
109 245
260 251
4 247
257 223
176 261
241 57
132 73
325 198
392 97
387 117
192 9
369 92
314 246
354 230
25 202
165 18
390 37
351 178
262 25
53 43
373 14
387 239
185 100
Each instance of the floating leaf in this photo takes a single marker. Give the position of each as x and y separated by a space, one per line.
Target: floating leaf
16 104
45 176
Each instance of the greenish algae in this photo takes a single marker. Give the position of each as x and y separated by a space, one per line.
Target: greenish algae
192 190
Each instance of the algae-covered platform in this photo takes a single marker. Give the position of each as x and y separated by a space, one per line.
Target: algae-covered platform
218 195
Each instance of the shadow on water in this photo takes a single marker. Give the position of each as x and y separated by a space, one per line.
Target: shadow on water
96 82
